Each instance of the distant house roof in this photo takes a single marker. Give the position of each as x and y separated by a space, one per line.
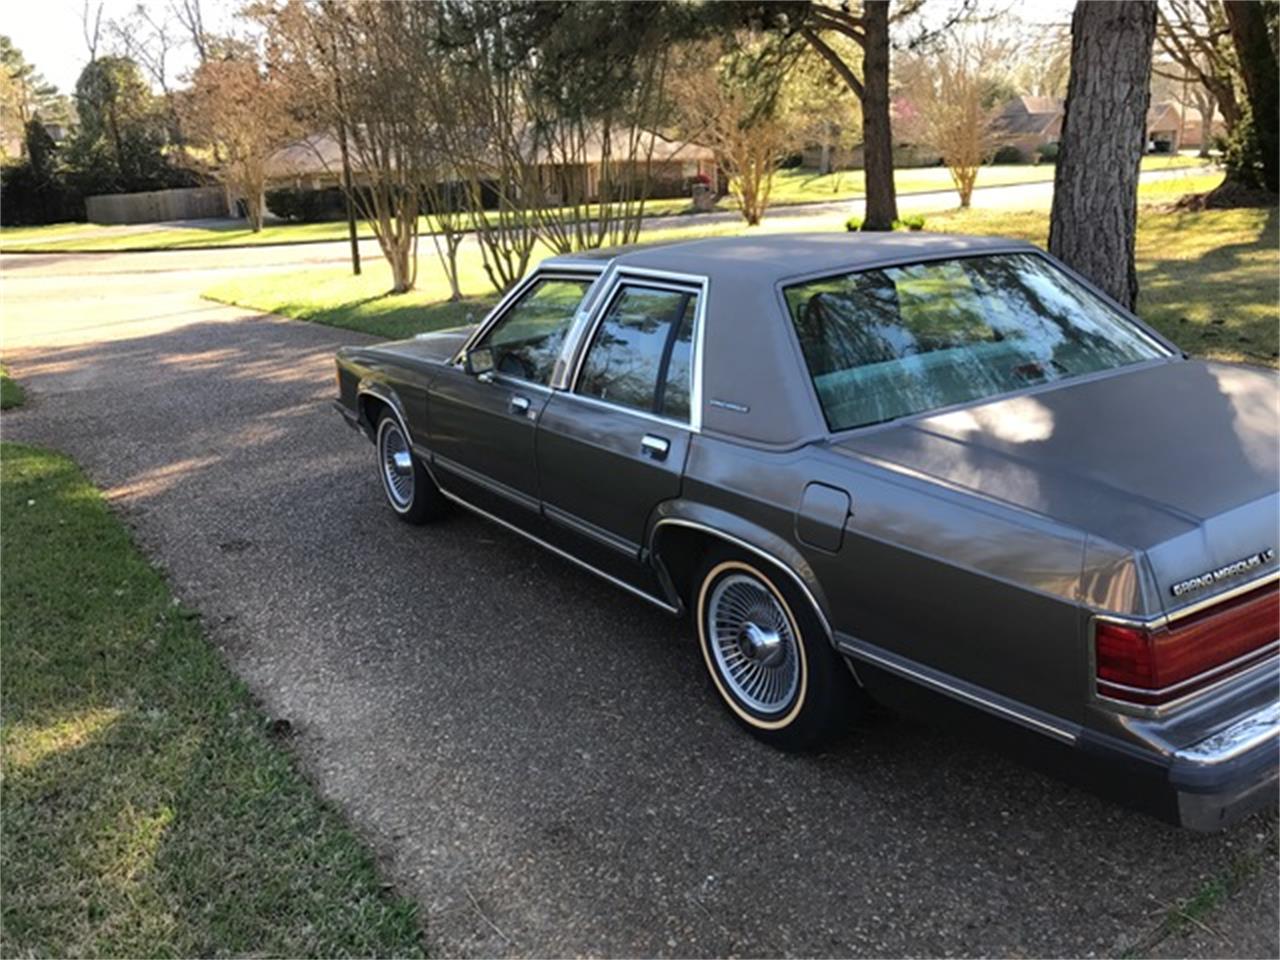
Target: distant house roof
1029 116
316 155
321 154
1166 116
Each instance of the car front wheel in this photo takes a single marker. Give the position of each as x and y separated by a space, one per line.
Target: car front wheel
409 489
769 657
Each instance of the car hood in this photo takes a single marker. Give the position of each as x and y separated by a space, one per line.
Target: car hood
1178 459
438 347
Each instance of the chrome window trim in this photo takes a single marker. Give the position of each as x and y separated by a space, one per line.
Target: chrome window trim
518 290
1156 711
562 374
515 383
1163 346
662 279
618 408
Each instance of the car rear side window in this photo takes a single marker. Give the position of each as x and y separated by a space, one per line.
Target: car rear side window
526 341
887 343
641 354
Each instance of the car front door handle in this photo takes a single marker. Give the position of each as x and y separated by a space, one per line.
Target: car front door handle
654 447
520 405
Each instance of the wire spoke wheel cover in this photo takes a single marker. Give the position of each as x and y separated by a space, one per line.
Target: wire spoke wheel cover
752 645
396 462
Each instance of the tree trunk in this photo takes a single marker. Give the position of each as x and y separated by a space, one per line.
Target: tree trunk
1207 104
877 136
1104 131
1248 22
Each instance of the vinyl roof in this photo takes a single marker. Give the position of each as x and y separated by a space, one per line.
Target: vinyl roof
751 359
769 258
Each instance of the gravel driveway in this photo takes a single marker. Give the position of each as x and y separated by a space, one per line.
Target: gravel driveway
536 756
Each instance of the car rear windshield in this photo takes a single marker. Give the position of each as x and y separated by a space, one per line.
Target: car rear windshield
887 343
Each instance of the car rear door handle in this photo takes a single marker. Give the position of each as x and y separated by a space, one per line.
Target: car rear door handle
654 447
520 405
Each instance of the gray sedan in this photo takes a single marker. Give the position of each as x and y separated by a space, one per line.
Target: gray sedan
941 473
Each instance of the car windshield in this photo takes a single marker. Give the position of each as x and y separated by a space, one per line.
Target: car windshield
887 343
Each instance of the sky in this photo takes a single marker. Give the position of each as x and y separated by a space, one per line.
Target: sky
50 33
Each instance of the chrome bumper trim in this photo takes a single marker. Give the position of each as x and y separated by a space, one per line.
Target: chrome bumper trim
1242 736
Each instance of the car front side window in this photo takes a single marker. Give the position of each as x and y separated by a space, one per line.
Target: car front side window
640 354
526 341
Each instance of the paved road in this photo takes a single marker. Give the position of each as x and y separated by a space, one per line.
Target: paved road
1022 196
535 756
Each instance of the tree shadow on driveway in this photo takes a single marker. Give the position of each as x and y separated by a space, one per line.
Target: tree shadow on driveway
536 755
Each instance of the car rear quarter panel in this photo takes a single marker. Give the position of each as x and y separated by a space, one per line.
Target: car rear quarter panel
984 593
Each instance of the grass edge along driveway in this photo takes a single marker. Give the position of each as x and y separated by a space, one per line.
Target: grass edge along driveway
148 809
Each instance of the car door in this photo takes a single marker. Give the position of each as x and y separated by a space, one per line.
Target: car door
613 446
482 424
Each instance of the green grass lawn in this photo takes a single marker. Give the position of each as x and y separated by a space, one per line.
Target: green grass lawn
147 809
790 186
11 392
804 186
1209 280
333 296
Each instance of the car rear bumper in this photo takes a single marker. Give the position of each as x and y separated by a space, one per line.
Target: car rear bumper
1230 774
1204 783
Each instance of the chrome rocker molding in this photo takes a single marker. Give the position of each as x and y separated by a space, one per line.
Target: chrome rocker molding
563 554
425 456
960 690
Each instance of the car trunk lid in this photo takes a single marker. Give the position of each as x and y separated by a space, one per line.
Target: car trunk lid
1177 459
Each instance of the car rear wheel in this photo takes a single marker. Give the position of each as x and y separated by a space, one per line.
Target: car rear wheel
769 657
409 489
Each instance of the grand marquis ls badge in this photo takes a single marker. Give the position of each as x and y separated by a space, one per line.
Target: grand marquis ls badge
1233 569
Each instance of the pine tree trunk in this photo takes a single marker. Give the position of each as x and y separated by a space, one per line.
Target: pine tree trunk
1258 66
1104 132
877 136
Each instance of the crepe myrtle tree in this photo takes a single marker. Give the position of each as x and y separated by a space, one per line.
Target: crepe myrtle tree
730 98
950 91
243 111
357 71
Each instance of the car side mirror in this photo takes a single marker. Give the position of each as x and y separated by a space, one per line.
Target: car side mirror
478 362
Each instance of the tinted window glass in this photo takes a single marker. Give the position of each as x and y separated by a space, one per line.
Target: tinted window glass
526 341
640 352
887 343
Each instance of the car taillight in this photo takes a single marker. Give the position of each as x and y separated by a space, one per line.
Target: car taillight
1152 667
